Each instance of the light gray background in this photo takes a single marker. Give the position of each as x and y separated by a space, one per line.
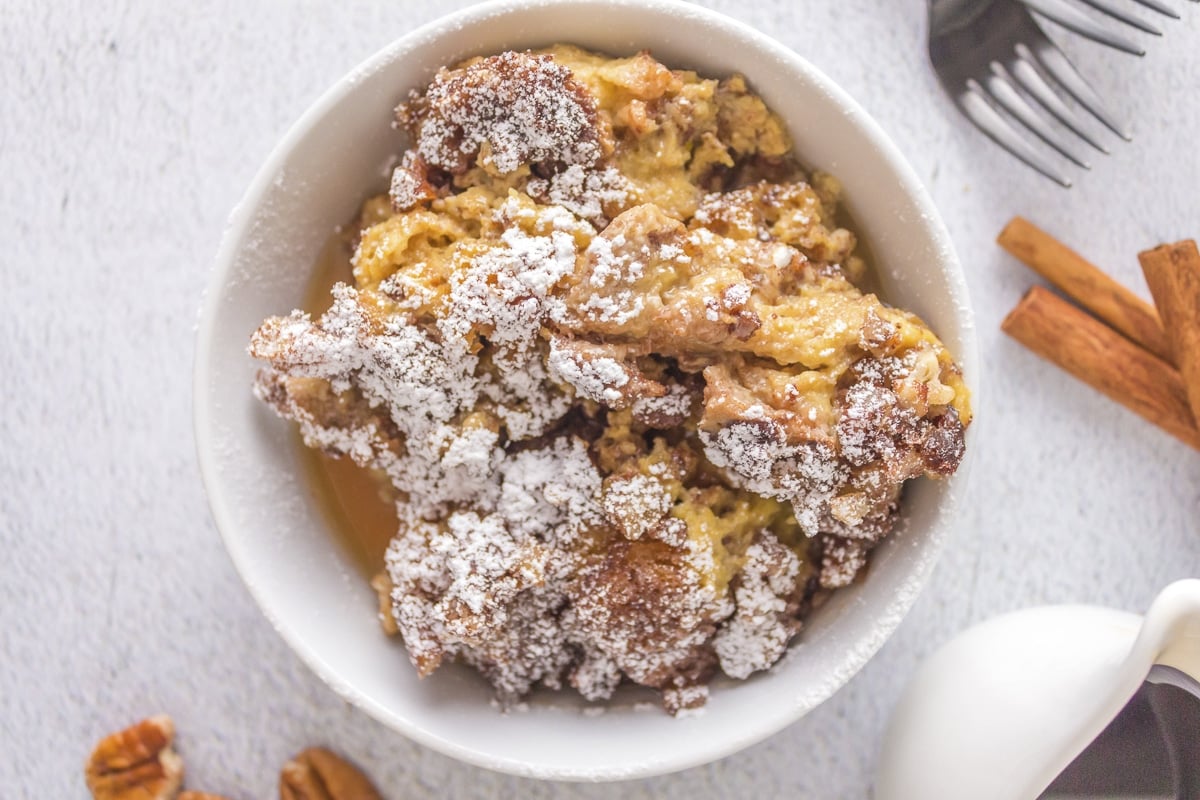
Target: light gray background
128 130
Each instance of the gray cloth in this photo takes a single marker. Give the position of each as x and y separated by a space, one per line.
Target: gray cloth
129 131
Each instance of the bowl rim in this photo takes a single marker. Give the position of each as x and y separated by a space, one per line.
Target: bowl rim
241 218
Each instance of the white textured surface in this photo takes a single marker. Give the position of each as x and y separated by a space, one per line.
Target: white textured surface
128 132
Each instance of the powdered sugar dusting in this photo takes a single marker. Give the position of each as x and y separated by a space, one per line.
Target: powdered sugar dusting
410 183
612 272
541 375
599 379
584 192
509 109
667 411
759 458
841 562
504 292
635 504
759 631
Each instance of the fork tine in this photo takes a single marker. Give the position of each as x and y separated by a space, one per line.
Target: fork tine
1074 19
1000 87
1161 8
979 110
1059 66
1027 74
1104 7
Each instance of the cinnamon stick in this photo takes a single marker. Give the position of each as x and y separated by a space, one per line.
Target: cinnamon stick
1086 284
1103 359
1173 273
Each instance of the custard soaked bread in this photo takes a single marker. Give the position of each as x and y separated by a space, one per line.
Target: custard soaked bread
606 349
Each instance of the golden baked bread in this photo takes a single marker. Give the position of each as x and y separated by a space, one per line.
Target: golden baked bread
607 349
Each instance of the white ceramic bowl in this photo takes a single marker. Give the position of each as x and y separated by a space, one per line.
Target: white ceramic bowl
277 536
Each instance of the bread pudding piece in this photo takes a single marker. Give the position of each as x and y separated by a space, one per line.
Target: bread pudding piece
606 347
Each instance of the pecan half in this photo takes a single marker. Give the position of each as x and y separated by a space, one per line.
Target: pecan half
136 763
318 774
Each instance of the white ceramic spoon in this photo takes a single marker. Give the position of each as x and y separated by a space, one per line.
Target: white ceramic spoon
1006 706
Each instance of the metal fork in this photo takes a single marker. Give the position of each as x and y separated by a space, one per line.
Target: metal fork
992 55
